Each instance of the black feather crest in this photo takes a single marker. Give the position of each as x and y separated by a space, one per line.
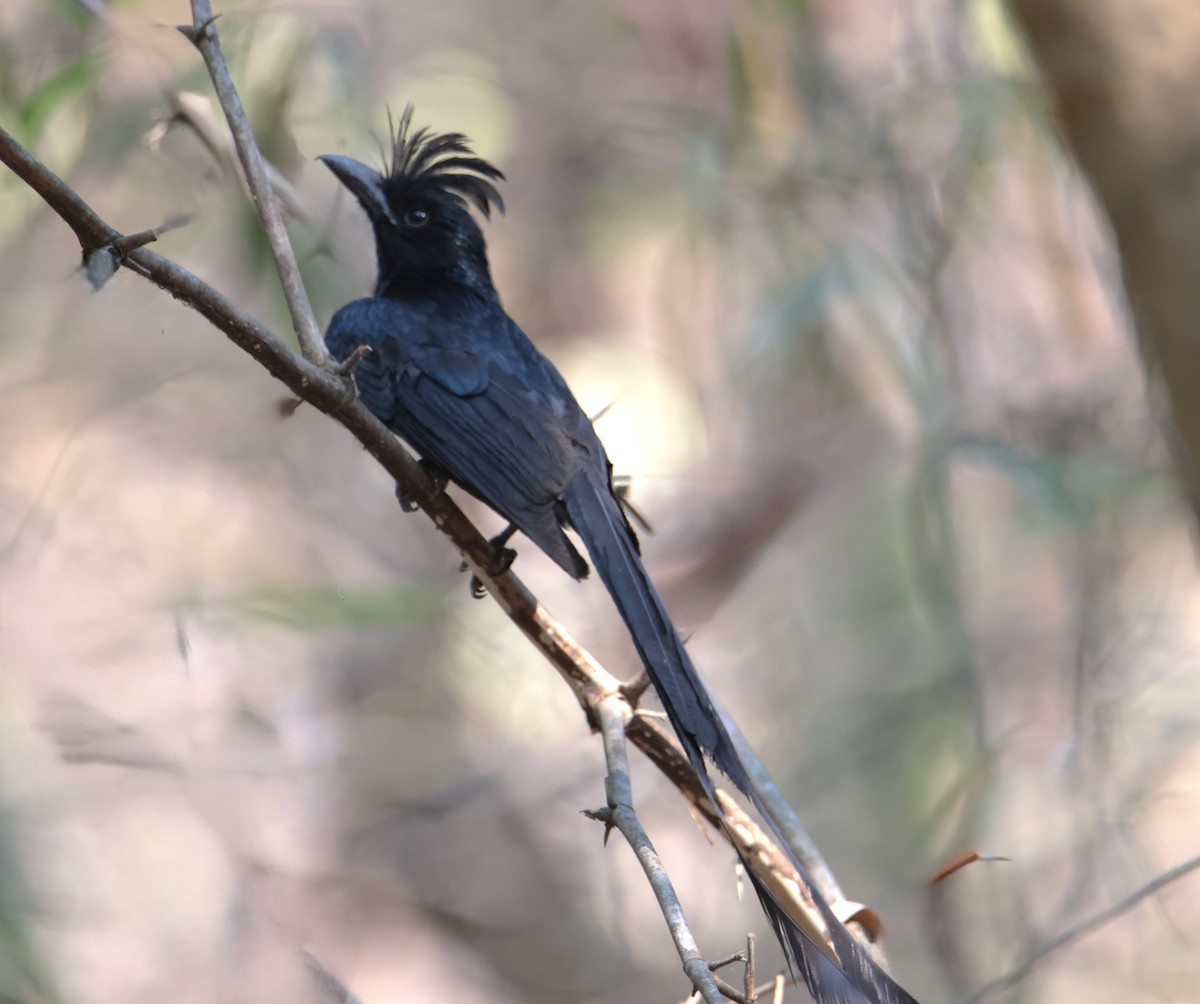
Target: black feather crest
445 160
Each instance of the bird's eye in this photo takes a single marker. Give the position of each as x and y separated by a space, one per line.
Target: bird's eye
416 218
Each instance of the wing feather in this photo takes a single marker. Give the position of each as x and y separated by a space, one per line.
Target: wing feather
499 436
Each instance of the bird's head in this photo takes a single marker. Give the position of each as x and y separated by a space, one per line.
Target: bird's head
419 208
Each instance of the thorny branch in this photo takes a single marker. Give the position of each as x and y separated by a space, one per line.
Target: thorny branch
314 379
203 34
589 681
331 394
613 713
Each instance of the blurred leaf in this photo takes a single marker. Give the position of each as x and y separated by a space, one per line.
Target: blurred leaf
73 79
740 85
1069 488
993 40
17 953
21 965
73 13
801 307
327 609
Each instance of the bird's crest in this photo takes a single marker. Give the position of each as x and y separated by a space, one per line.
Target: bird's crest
444 160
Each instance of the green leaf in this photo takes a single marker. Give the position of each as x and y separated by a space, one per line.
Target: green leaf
322 608
739 77
55 92
993 39
1068 489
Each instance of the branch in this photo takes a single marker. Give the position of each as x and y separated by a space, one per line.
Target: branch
1083 928
863 922
614 713
332 394
203 34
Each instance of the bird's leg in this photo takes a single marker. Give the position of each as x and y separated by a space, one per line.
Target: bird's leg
505 556
435 474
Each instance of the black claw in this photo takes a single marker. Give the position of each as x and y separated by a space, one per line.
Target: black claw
504 556
406 504
439 477
497 542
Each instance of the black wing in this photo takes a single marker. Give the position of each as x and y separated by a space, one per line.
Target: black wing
505 434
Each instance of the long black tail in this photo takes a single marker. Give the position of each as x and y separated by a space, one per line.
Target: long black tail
596 515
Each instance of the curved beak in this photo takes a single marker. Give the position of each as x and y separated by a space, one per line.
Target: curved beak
365 184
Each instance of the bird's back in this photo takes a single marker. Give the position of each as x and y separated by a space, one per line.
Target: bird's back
462 384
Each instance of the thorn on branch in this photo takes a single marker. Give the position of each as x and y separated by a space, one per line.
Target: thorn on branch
346 367
960 861
101 263
131 242
729 960
194 33
635 688
603 815
286 406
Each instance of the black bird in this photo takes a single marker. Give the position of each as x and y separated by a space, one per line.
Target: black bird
451 373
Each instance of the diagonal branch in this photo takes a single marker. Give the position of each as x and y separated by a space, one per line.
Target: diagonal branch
614 713
333 395
863 922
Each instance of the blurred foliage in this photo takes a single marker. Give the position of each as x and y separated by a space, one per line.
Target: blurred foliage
873 379
320 609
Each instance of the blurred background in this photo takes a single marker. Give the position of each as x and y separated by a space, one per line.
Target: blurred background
862 332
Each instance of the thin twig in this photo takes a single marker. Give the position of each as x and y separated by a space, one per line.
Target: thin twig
748 974
613 714
1077 931
729 991
195 112
203 34
331 985
329 394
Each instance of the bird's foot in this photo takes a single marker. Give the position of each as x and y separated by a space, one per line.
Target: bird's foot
504 556
435 474
406 504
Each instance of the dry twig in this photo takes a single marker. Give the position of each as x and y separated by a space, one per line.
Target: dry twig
314 379
203 34
614 713
1080 930
328 392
